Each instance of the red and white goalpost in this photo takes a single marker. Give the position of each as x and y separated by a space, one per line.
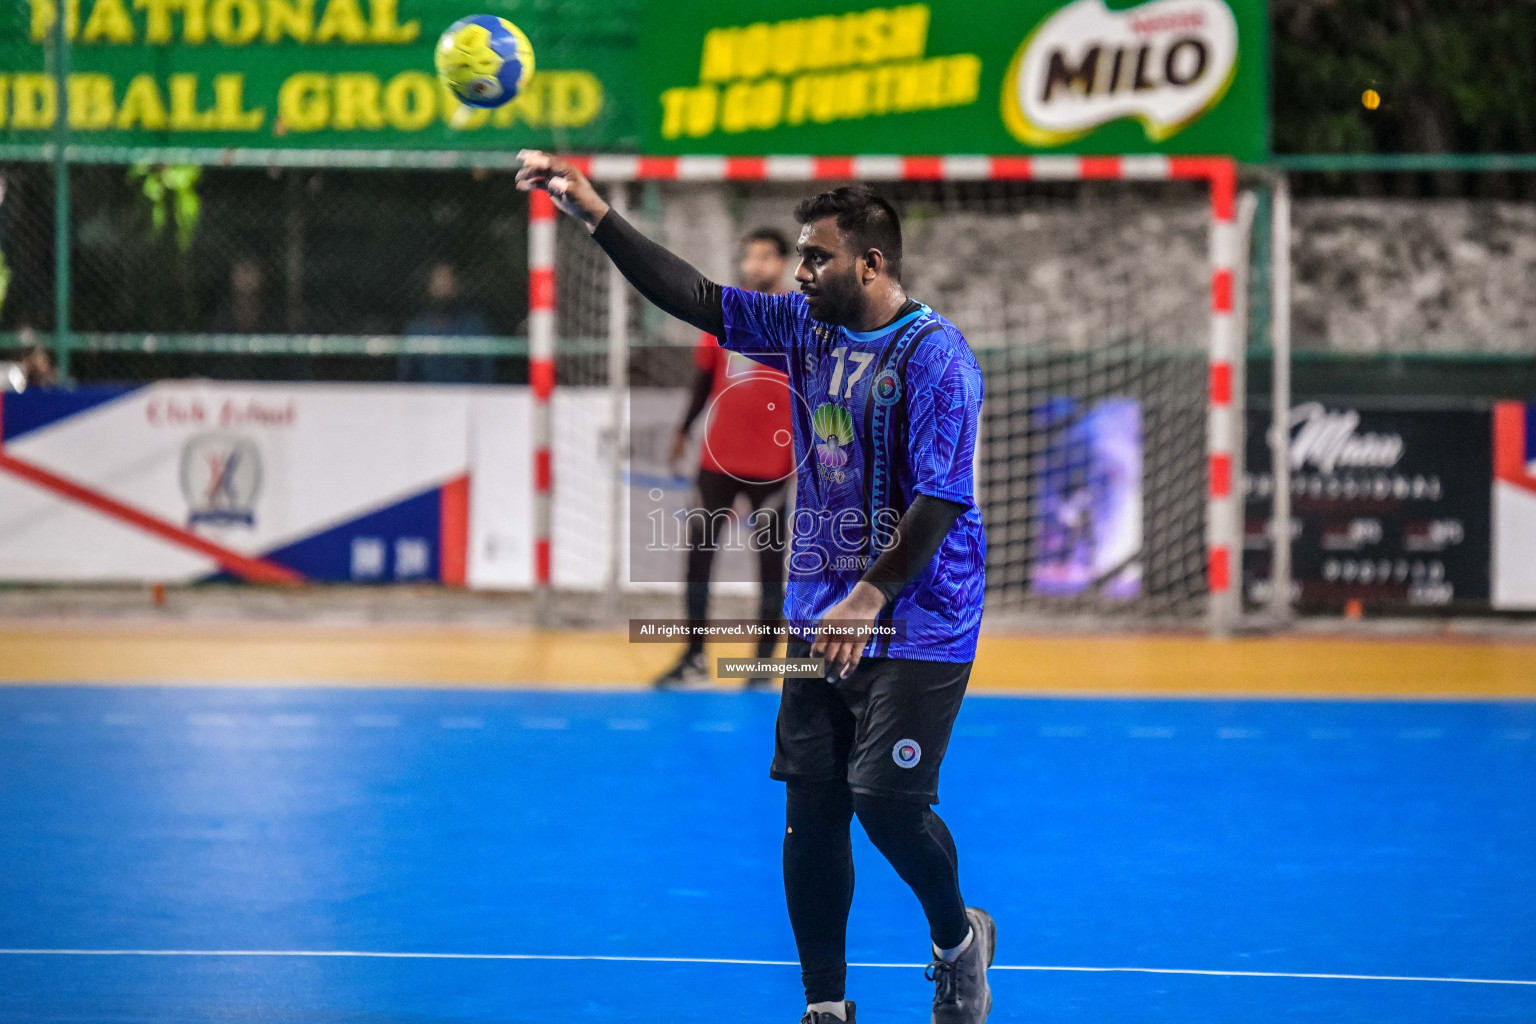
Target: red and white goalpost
1223 519
541 371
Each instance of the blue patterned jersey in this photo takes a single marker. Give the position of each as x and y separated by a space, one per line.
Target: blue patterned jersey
879 418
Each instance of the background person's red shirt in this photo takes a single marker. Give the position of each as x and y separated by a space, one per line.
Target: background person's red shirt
747 430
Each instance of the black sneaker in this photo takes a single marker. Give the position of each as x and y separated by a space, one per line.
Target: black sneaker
690 672
961 994
827 1018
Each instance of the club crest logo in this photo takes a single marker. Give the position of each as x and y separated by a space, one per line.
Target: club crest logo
1164 63
220 478
906 753
834 431
886 387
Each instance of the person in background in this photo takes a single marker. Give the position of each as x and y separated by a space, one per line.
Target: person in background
747 450
38 369
246 311
446 315
35 368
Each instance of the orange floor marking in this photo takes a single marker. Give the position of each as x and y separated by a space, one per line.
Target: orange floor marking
436 656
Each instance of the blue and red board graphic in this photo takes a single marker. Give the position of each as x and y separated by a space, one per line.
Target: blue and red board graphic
1514 506
189 481
1514 444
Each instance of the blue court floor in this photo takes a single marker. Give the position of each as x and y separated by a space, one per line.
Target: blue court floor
230 855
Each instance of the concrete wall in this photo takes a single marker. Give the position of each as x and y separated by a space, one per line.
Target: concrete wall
1393 275
1075 268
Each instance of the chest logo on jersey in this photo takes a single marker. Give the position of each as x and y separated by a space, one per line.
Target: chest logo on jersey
886 387
834 433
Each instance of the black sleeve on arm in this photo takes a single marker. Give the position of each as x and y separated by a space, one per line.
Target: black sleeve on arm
663 278
703 384
918 537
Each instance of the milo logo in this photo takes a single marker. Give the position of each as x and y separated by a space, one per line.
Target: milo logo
1164 63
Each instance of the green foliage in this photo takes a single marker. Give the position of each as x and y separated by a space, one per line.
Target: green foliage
1454 76
173 187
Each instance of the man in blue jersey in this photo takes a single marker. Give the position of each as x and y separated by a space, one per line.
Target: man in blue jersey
885 575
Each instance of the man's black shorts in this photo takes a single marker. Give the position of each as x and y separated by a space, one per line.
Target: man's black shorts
885 728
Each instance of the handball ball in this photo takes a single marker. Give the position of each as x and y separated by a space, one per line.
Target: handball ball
484 60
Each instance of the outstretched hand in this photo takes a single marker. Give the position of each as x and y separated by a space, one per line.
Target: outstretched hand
566 185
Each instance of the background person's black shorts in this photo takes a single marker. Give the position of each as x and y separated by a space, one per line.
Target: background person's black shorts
885 728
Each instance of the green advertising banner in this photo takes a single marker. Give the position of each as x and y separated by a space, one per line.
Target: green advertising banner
310 74
986 76
661 76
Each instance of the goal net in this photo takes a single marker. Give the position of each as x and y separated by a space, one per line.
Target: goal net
1097 294
1088 304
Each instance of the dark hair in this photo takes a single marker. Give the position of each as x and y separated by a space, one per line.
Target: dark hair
868 220
773 236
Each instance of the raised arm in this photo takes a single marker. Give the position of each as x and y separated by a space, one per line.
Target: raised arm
669 282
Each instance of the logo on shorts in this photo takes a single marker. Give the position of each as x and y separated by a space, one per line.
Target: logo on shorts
906 753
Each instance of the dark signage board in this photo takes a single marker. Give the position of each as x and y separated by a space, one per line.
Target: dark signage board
1390 507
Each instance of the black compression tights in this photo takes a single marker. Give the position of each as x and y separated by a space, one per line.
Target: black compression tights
818 873
717 492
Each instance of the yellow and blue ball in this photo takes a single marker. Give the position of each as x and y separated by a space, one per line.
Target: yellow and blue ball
484 60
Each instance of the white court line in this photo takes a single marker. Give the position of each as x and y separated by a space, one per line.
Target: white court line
361 954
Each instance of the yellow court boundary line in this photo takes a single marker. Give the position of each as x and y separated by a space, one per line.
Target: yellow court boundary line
460 657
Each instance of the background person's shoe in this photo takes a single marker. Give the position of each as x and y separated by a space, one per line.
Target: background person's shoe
828 1018
690 672
762 682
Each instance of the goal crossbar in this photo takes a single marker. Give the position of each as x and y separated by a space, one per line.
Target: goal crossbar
1219 174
